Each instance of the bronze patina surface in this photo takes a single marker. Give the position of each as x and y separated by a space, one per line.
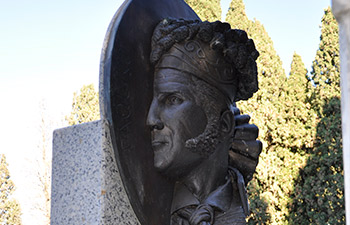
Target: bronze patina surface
169 88
127 94
201 70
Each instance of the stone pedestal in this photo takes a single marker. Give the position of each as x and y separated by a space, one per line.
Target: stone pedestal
86 184
341 11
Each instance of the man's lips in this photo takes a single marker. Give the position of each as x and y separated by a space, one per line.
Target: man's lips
159 140
156 143
159 145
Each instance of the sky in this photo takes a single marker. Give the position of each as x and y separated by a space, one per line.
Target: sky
50 49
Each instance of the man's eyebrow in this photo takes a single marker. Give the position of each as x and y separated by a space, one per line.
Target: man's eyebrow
172 89
170 92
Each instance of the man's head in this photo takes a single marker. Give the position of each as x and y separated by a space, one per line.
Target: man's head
213 52
201 68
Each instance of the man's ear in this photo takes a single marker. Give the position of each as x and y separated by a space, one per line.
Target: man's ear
227 122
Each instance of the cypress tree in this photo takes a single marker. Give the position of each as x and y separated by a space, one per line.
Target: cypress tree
276 112
10 212
237 17
85 106
270 72
319 195
326 67
300 119
206 9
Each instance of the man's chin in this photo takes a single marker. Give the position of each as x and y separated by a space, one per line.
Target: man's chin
163 167
160 162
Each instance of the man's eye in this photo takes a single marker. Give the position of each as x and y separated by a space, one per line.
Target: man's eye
173 100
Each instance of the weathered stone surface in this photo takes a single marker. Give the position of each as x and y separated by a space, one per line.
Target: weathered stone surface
86 185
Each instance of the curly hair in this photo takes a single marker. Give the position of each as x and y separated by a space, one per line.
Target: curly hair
233 44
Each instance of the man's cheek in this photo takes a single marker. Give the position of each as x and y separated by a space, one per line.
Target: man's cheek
196 120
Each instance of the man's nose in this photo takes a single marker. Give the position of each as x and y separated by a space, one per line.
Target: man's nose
153 119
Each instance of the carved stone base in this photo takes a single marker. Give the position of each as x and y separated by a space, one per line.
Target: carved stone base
86 185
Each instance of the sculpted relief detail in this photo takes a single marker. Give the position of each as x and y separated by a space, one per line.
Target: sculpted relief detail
201 70
168 91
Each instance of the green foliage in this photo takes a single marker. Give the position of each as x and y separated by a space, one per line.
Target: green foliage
319 194
300 119
237 17
10 212
326 66
206 9
274 110
85 106
286 149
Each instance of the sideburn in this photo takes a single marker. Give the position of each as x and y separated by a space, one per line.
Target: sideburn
205 143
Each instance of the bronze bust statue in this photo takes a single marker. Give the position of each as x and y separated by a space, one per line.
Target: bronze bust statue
169 88
201 70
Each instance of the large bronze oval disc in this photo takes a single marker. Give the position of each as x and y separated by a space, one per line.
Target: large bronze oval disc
125 95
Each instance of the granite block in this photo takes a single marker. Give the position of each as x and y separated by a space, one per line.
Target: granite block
86 184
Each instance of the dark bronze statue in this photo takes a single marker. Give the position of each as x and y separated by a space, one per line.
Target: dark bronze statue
168 92
201 70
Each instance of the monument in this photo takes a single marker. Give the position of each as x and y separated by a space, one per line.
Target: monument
199 74
172 147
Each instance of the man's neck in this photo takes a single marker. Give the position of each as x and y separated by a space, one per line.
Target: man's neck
209 175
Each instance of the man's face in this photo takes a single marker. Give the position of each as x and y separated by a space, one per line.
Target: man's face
174 117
